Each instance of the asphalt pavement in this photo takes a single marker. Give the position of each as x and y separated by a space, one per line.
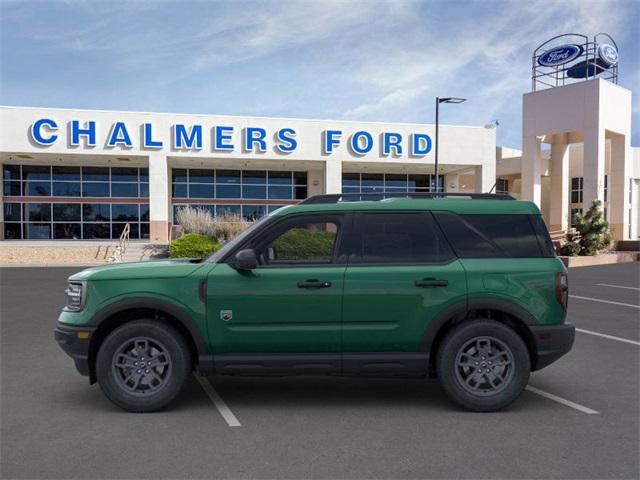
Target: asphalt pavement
579 420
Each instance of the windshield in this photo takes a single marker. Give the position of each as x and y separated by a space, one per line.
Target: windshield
231 244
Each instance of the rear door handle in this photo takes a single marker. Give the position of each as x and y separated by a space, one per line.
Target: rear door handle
314 284
431 282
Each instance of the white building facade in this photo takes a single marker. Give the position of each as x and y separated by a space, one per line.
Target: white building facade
85 174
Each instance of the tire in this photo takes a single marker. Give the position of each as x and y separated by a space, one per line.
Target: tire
143 365
483 365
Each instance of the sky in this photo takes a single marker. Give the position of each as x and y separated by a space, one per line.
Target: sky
345 60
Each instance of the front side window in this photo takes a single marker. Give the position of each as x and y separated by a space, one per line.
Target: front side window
399 238
301 241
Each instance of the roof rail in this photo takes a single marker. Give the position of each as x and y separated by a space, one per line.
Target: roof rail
337 197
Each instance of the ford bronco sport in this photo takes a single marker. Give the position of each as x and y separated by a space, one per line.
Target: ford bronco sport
466 288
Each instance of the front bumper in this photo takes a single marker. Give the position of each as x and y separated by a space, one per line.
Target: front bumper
75 343
552 342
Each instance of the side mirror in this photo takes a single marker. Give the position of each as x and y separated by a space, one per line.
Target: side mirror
245 260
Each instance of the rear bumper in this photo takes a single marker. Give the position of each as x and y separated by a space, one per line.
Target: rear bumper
74 345
552 342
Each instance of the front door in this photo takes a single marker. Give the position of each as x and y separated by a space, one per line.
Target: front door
401 274
290 304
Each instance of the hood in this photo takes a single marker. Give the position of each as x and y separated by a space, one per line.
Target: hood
176 268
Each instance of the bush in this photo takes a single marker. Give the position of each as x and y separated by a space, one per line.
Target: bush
223 227
591 235
302 243
193 245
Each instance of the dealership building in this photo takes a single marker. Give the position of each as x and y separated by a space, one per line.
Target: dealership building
86 174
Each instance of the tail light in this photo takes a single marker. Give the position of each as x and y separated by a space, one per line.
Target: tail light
562 289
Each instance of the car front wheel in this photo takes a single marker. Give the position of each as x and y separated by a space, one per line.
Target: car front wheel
483 365
143 365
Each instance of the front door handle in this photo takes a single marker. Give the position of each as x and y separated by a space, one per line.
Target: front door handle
431 282
314 284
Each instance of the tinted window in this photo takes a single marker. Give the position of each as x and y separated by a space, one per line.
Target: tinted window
491 235
466 242
400 238
512 233
543 236
304 241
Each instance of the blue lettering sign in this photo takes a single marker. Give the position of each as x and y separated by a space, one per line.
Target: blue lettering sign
89 131
330 140
119 136
147 137
37 134
421 144
391 140
222 137
359 147
286 140
255 136
186 139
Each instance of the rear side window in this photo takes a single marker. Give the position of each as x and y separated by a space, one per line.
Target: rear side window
544 239
486 236
400 238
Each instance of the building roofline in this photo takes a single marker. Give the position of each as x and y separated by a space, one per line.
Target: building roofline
18 107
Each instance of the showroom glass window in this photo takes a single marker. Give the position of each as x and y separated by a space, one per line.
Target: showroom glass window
252 189
78 202
390 183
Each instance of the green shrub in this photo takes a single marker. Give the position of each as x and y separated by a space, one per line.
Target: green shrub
193 245
303 243
591 235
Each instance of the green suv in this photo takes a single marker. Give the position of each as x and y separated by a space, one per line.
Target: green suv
466 288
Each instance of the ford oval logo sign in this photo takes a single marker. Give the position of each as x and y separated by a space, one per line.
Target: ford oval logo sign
608 54
560 55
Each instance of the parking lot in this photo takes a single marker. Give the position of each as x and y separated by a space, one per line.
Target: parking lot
579 419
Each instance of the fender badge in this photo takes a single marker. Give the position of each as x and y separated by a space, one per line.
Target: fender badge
226 315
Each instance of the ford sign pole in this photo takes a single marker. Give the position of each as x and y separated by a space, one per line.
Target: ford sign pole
438 102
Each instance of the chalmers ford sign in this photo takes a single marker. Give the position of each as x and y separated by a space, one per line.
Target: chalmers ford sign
222 138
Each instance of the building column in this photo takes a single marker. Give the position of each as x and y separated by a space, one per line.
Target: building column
618 187
159 198
559 204
332 176
451 182
485 177
315 182
531 169
593 164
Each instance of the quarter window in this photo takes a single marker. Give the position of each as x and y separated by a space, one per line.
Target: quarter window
482 236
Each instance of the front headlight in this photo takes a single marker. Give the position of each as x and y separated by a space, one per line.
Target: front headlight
75 296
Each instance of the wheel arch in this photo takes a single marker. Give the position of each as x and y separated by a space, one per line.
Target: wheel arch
502 311
123 311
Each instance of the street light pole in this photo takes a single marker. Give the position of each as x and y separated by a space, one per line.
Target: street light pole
437 142
438 102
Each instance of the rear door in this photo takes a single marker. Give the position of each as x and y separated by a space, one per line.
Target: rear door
401 274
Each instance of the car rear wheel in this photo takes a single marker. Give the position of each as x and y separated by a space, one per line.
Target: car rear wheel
483 365
143 365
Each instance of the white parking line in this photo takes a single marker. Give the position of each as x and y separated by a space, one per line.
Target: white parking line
217 400
563 401
604 301
616 286
610 337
